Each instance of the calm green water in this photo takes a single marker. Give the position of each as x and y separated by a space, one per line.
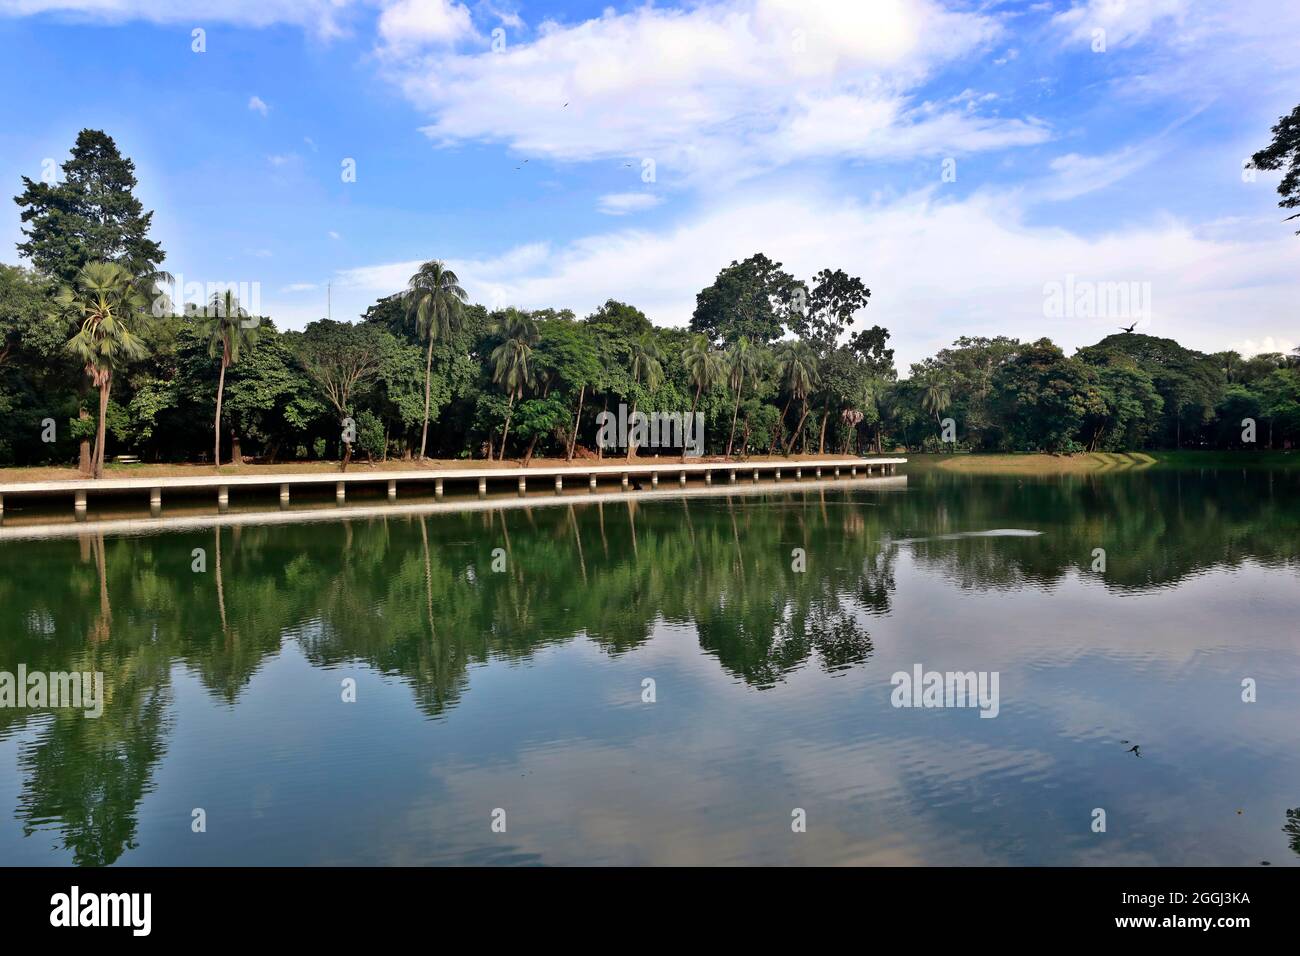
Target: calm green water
522 689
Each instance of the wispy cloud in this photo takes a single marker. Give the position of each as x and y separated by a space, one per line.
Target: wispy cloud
258 105
620 204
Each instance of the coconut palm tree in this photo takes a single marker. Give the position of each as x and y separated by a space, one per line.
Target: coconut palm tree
645 362
102 305
937 398
798 369
704 368
512 363
434 301
743 361
227 336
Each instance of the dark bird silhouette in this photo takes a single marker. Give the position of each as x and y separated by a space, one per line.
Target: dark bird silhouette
1130 328
1134 750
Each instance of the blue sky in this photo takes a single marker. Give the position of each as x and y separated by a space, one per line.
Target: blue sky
818 133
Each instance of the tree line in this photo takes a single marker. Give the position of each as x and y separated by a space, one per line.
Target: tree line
774 364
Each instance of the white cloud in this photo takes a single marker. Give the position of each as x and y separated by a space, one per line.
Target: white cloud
620 204
1124 21
333 235
299 287
735 87
319 16
409 25
1249 347
258 105
1075 175
937 270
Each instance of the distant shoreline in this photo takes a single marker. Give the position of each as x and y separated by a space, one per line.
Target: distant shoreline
976 463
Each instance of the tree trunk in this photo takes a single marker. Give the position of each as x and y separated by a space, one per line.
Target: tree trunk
780 435
794 436
695 401
631 448
510 410
740 386
573 439
84 464
428 367
347 456
216 422
236 453
600 448
99 432
528 455
821 444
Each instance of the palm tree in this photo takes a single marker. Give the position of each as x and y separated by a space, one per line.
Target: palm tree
227 336
646 362
102 304
433 302
936 398
743 361
799 370
703 367
852 418
511 363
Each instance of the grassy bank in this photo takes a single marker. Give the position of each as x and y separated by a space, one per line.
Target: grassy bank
1100 462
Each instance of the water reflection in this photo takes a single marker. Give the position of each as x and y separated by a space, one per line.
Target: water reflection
418 599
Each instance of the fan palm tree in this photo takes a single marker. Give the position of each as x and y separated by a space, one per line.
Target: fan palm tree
646 362
743 361
852 418
227 336
704 368
102 304
512 363
799 372
434 301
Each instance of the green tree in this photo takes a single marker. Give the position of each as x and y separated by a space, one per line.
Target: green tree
91 215
743 361
434 302
704 368
750 298
228 330
343 360
799 372
102 306
645 364
512 367
1284 153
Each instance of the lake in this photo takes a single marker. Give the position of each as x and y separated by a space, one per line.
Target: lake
677 680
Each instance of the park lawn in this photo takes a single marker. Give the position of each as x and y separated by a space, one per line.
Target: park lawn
1101 462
